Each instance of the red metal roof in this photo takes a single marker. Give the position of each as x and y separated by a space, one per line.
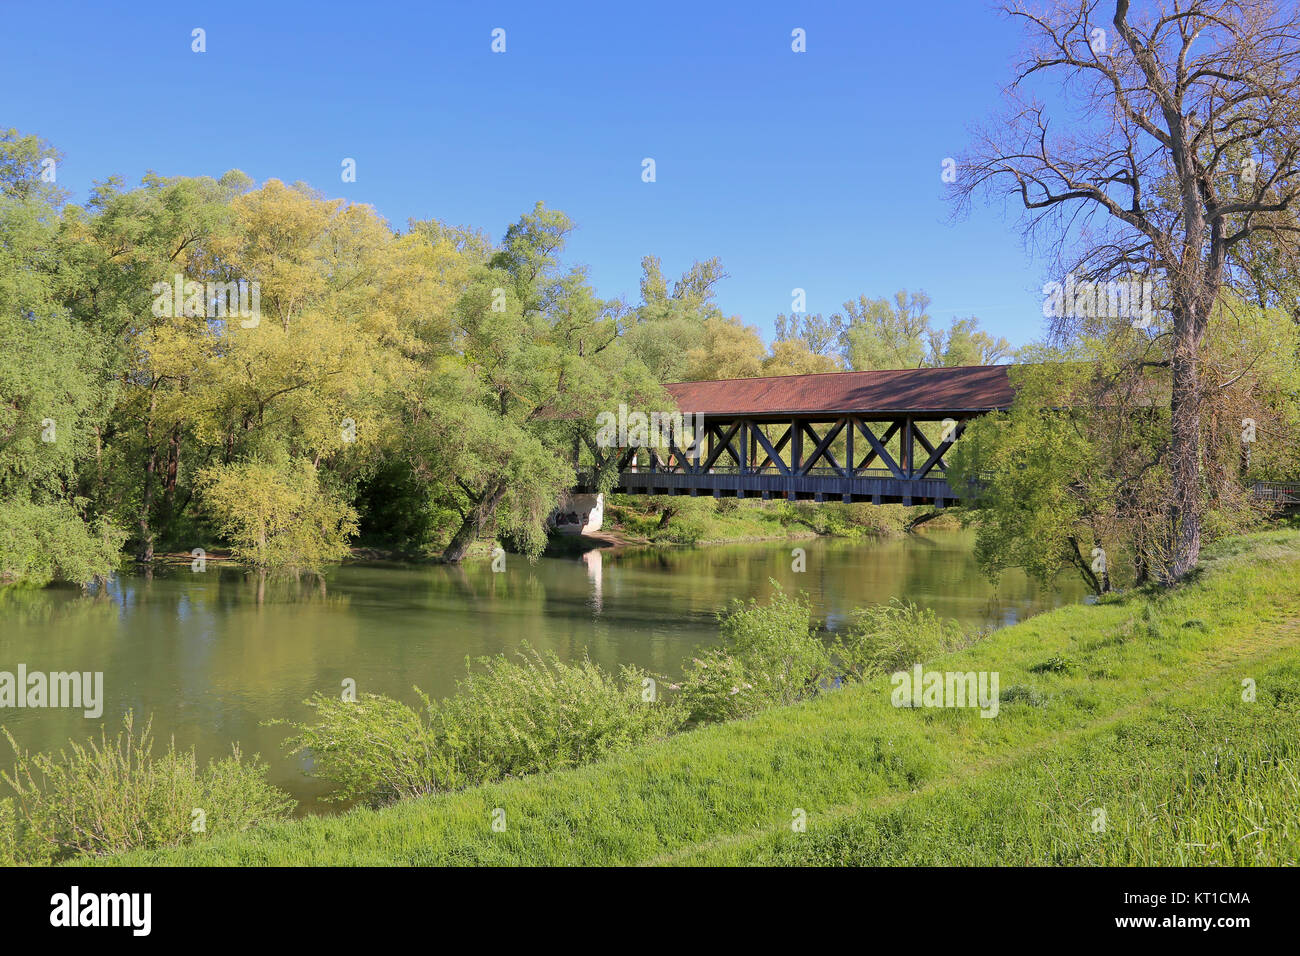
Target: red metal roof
911 390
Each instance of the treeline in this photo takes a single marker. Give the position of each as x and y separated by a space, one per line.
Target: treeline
199 362
1077 475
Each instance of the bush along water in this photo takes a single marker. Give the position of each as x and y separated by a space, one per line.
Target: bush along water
114 795
510 717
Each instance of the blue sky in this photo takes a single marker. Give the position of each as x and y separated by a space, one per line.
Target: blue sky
818 170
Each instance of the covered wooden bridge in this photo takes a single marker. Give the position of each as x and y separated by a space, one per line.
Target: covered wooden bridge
839 436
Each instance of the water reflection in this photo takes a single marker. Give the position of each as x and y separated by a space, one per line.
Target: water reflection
593 560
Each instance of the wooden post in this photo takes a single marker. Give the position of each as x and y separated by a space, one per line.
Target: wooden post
905 447
851 463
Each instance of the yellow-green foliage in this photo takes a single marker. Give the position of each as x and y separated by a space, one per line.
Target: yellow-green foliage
507 719
882 638
114 795
278 516
375 749
708 520
771 655
40 543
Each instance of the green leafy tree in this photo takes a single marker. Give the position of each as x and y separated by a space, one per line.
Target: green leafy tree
276 515
820 335
1043 499
668 327
879 334
1185 178
1075 474
729 349
535 354
53 393
884 334
965 343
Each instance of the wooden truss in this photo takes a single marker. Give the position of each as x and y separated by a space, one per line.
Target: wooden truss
849 456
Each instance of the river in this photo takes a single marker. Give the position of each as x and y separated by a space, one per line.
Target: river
213 655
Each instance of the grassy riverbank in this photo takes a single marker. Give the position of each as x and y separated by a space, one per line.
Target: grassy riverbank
1133 707
672 520
682 519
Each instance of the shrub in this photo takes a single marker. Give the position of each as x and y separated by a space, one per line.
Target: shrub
687 520
377 749
12 853
507 719
716 688
842 520
40 543
113 796
684 529
884 638
771 655
544 714
276 514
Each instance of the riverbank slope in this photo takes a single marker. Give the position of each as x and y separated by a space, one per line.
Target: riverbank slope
1150 729
681 519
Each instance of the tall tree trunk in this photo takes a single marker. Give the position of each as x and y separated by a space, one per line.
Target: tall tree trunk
144 551
476 520
1085 568
1184 466
169 478
1184 546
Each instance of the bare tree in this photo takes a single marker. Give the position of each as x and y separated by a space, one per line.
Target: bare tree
1175 158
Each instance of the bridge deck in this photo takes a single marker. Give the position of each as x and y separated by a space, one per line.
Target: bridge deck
877 490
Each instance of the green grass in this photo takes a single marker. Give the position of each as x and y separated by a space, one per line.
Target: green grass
1215 782
1146 722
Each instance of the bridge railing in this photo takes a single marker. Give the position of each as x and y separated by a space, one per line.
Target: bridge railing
819 471
1281 492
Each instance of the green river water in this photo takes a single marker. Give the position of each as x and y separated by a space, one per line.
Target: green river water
213 655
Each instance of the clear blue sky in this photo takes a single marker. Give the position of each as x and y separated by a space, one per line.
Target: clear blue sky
818 170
